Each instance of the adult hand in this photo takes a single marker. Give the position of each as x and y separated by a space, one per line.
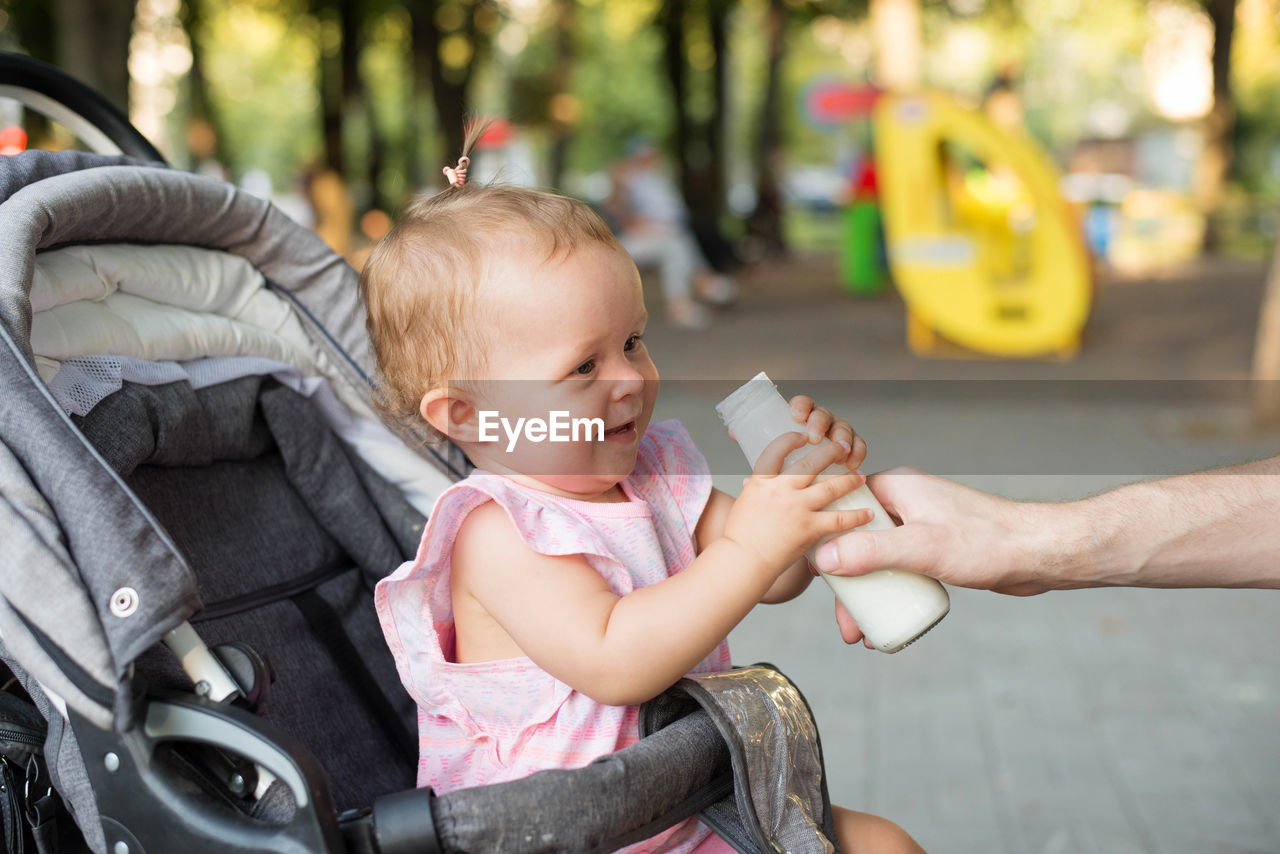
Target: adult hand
1207 529
953 533
956 534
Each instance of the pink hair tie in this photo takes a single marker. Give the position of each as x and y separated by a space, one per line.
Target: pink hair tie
458 175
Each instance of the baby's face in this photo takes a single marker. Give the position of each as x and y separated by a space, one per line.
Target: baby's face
567 339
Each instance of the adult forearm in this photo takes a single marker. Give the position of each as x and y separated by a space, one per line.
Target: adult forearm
1219 528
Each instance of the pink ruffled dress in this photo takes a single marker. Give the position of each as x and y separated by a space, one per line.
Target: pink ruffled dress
494 721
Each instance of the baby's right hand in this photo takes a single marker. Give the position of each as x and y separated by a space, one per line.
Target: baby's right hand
780 511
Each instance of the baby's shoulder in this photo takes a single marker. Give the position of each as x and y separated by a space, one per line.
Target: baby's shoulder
486 538
486 527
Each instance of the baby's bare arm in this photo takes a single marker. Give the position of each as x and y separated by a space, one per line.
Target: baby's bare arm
615 649
790 584
561 613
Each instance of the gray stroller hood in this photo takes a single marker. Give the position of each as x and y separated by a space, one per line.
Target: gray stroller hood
81 601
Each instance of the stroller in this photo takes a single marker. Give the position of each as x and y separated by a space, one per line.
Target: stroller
196 501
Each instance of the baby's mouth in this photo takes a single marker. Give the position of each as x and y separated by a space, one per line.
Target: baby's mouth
622 430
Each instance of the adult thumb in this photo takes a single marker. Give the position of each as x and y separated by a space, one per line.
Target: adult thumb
861 552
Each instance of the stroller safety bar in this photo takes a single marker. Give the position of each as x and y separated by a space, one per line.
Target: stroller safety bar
614 801
148 805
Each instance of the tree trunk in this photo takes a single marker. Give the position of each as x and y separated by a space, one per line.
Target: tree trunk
451 109
201 105
449 87
330 87
419 92
356 104
562 119
717 125
672 22
699 137
32 27
92 44
1266 352
765 222
1219 125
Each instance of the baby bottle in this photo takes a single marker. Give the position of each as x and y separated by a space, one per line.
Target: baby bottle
892 607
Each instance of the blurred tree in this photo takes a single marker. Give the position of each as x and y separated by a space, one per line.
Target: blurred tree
765 222
356 144
338 73
88 39
91 43
783 20
1219 125
696 59
1255 89
897 46
358 101
200 102
619 87
1266 352
451 38
564 104
30 28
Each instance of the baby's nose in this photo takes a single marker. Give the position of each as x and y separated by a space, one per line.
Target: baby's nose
626 381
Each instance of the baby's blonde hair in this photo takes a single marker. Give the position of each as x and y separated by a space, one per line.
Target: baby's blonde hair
420 284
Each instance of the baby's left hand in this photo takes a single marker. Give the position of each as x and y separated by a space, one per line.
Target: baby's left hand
819 423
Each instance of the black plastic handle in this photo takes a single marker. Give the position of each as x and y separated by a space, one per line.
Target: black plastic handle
56 94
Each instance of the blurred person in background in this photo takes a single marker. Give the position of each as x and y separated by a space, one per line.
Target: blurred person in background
652 223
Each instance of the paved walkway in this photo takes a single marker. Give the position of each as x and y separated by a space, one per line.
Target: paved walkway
1106 721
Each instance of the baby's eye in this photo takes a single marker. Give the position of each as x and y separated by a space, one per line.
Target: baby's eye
586 367
632 343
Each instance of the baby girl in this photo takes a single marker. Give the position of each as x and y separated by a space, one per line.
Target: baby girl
563 583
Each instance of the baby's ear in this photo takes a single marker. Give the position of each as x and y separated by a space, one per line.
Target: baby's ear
450 413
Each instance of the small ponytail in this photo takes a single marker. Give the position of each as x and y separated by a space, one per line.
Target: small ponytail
457 175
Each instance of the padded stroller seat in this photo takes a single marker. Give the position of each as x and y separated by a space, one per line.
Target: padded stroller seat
286 544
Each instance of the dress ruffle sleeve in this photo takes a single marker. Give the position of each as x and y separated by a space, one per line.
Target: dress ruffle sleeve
486 697
672 474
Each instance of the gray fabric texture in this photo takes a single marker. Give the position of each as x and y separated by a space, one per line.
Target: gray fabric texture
110 539
150 204
263 502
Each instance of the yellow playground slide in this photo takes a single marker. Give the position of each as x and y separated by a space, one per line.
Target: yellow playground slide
986 253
